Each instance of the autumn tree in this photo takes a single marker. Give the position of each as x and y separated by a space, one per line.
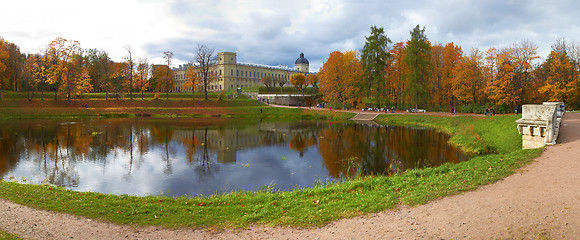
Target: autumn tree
162 78
418 62
469 83
130 65
192 79
142 74
206 59
452 56
313 80
374 57
268 81
168 84
504 88
298 80
561 83
397 73
37 71
3 66
99 69
341 78
68 67
280 81
443 62
115 80
11 65
525 54
81 82
513 74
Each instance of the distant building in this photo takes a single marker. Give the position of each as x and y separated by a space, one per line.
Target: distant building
231 74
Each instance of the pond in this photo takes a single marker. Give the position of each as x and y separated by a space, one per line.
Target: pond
191 157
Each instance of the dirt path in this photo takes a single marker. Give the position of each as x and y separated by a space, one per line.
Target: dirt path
543 200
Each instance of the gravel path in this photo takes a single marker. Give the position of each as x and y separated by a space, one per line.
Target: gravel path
542 200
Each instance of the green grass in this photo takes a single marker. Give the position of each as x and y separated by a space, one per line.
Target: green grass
303 207
496 134
10 95
7 236
266 112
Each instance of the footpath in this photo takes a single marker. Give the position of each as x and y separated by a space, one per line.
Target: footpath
541 201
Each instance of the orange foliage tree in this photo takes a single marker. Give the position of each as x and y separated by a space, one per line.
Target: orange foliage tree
192 80
397 73
469 81
341 78
313 80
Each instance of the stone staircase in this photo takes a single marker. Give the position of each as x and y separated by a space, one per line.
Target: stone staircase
364 116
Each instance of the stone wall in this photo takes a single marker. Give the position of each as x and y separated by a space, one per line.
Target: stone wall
288 99
539 124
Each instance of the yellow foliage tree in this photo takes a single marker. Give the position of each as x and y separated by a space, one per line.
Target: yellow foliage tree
562 81
298 80
504 88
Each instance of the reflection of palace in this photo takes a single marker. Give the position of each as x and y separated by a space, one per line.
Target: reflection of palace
228 141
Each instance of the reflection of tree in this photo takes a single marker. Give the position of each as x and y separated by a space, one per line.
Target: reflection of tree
205 167
341 156
382 149
190 145
299 143
9 150
63 171
164 137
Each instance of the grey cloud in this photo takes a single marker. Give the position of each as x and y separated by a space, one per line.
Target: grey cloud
273 33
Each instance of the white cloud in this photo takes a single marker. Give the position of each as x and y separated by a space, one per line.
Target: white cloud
275 32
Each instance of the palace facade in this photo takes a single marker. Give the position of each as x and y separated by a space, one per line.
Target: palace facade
231 74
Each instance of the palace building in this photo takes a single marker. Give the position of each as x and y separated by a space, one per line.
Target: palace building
231 74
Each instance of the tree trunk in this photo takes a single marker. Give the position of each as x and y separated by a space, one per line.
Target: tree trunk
205 88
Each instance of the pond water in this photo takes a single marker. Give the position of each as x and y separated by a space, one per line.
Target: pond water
187 157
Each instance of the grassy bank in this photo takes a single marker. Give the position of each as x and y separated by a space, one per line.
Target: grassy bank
7 236
305 206
241 107
476 134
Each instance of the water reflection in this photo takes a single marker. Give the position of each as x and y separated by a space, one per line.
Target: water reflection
141 157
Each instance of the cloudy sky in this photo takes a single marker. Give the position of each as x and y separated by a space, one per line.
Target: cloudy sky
276 32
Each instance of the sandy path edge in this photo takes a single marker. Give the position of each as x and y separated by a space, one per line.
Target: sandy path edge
542 200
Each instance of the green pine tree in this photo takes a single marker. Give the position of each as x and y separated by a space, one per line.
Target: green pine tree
374 58
418 60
